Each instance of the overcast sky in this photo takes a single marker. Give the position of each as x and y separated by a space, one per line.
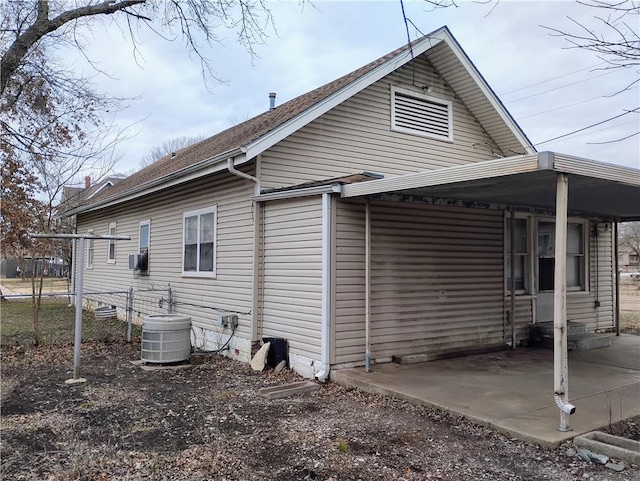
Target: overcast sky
550 90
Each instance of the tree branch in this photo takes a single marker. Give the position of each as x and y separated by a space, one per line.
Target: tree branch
42 26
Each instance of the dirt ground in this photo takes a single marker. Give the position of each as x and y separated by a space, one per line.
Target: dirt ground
207 422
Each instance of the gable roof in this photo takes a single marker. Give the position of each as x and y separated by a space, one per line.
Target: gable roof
246 140
72 197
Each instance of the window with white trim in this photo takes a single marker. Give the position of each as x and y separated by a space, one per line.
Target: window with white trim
144 237
521 256
576 263
90 251
420 114
536 237
199 242
111 244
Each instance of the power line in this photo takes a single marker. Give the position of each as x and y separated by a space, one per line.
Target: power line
560 108
588 127
608 127
560 87
551 79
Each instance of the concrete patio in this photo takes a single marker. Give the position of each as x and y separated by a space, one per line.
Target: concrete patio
512 391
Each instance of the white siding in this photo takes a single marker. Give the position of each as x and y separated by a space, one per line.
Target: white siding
437 280
356 136
200 298
581 306
291 274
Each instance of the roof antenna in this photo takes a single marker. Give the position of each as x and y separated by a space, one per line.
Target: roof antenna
272 101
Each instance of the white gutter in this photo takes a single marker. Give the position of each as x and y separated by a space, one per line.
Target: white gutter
323 374
301 192
192 172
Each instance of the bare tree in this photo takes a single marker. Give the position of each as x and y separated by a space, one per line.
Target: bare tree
617 41
629 237
28 23
168 147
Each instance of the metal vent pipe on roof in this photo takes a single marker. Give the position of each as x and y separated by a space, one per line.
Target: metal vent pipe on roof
272 101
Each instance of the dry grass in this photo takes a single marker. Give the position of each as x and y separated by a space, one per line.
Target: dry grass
50 285
57 320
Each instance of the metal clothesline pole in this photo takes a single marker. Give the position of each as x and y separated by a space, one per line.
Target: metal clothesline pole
77 341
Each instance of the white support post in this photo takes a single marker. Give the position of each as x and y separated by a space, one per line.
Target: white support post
560 357
367 286
512 279
77 341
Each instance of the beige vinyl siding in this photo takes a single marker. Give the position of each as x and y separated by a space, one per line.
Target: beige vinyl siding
436 280
200 298
291 276
470 93
581 305
356 136
524 316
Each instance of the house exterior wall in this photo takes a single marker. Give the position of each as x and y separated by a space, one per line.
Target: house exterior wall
290 303
581 306
201 298
437 282
356 136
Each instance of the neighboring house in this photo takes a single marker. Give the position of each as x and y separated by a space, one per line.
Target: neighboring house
378 207
628 260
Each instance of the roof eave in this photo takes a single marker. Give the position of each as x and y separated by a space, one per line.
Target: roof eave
193 172
268 140
488 92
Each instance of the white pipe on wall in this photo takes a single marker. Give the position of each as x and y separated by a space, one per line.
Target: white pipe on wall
323 374
367 286
560 357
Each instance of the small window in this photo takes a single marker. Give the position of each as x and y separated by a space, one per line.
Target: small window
144 242
521 256
143 239
90 251
111 247
199 243
420 114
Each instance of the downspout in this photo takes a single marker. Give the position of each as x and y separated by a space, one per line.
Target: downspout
323 373
255 180
256 225
367 286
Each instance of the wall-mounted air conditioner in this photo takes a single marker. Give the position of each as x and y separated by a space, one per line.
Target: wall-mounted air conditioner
139 263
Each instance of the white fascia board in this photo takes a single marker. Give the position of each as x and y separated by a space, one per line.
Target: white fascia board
497 105
194 172
450 175
599 170
283 131
294 193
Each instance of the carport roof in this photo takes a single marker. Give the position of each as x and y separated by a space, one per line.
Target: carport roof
596 189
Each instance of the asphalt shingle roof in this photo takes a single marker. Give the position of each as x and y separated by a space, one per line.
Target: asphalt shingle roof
236 136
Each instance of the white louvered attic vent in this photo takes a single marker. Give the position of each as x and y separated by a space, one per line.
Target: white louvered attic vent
419 114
